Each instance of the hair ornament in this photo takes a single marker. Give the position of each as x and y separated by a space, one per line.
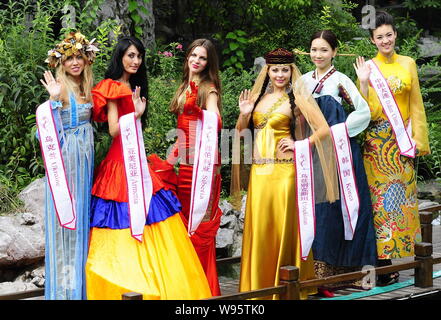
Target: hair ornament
75 43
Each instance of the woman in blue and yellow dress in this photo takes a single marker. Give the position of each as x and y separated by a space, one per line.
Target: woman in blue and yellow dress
164 265
391 177
271 234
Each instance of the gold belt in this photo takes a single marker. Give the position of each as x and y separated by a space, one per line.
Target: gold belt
269 160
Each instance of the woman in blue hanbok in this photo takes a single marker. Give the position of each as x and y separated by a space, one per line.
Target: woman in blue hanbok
332 253
70 101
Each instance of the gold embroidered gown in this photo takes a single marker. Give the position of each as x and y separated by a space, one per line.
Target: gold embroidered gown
271 236
391 177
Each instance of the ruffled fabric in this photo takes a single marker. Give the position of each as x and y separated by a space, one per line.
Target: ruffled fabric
115 215
164 170
110 181
107 89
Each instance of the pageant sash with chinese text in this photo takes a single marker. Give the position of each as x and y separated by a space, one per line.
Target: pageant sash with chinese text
305 195
54 165
139 181
405 143
350 201
203 168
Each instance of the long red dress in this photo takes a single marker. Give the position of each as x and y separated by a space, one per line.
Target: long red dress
204 239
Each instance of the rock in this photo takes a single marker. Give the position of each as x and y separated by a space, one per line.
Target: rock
228 221
33 197
119 10
14 287
20 244
22 235
259 63
224 238
430 46
422 204
430 190
226 207
28 219
236 248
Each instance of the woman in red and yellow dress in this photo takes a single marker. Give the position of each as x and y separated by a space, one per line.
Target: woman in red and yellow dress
199 90
164 265
392 176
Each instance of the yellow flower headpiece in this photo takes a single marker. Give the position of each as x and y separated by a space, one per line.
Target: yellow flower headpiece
73 44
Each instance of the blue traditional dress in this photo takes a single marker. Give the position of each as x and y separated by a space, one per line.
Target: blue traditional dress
332 253
66 250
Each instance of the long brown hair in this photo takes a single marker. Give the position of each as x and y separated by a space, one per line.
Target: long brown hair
208 77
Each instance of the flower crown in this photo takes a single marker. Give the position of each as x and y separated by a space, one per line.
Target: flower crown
74 43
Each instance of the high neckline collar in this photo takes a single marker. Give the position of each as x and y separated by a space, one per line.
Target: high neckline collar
316 76
385 59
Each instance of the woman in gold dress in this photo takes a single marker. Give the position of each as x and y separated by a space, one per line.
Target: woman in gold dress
271 235
391 175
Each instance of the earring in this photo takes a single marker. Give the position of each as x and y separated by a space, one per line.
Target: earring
269 88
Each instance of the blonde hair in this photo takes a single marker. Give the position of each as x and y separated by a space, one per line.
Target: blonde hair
69 85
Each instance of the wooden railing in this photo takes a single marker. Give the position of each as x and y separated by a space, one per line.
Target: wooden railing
290 285
423 265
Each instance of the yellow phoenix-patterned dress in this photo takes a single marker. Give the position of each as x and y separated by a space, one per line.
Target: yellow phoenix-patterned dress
391 177
270 236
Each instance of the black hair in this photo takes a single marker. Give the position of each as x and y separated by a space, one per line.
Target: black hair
328 35
382 18
116 69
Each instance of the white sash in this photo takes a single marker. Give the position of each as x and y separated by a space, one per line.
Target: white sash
305 195
54 165
404 139
203 166
350 202
139 181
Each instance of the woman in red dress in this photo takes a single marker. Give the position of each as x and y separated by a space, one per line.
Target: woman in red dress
164 265
199 90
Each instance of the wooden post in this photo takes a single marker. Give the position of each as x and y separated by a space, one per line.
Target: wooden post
132 296
424 273
426 226
289 276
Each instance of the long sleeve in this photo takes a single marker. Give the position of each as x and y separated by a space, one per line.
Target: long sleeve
417 114
373 102
358 120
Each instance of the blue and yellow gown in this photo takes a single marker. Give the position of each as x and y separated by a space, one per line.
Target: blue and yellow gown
164 265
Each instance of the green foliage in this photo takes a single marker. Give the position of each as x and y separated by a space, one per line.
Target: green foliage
235 44
167 62
232 85
339 19
135 11
417 4
26 34
244 30
8 196
430 165
160 120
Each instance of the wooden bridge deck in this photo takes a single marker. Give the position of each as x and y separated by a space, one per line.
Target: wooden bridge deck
401 290
398 291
